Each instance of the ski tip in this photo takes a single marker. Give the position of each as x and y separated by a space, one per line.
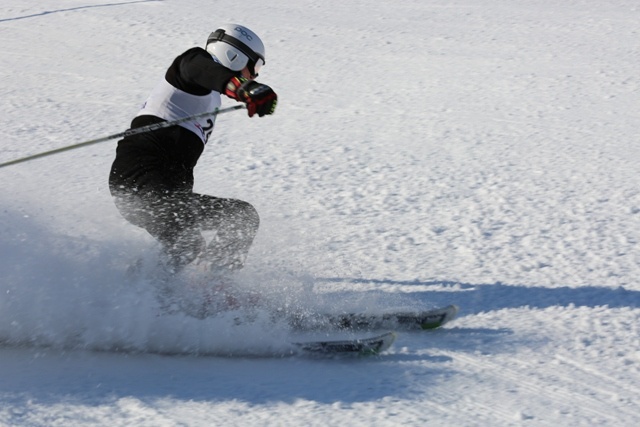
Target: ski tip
385 342
444 316
452 312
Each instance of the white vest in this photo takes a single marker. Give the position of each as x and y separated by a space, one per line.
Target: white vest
170 103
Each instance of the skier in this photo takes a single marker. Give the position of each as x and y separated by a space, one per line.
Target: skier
151 178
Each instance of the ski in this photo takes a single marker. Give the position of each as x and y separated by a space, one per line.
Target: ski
358 346
407 321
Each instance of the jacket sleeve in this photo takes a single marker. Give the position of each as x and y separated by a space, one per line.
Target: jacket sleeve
197 73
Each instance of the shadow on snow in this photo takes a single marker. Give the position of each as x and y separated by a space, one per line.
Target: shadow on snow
477 298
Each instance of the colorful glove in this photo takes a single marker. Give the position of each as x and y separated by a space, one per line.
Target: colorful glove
259 98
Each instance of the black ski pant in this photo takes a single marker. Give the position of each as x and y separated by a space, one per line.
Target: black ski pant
151 180
176 220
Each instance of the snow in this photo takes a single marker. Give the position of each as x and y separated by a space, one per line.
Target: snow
424 152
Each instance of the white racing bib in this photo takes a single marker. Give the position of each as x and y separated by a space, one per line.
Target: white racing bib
170 103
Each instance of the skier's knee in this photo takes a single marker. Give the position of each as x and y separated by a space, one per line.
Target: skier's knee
251 216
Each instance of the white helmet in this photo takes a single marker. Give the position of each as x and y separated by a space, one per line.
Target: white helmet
236 47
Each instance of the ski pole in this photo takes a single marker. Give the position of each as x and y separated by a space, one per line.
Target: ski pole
129 132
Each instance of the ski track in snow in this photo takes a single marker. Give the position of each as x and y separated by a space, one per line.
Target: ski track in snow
476 152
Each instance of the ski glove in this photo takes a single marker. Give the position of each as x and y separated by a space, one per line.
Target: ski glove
259 98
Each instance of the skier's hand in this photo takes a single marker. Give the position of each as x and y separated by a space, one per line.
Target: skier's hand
259 98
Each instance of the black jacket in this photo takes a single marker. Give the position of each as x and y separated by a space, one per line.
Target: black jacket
163 160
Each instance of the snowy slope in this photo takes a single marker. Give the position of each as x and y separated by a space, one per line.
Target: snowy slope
424 152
